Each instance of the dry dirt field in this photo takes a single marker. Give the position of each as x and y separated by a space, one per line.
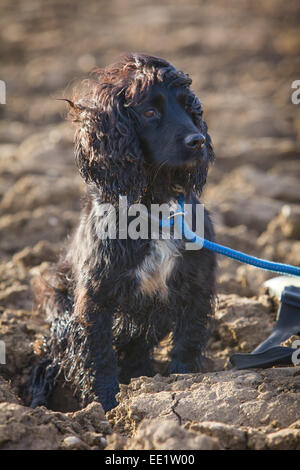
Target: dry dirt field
243 57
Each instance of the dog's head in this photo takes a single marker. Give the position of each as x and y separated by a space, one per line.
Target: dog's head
139 122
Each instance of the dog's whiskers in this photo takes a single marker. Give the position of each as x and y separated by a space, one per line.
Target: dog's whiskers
157 171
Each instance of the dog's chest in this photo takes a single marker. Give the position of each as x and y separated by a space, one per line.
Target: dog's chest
157 268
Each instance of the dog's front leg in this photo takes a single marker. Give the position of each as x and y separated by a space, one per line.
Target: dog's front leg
106 372
189 341
100 357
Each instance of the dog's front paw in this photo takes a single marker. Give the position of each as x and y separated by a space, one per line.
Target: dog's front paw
106 389
199 364
178 367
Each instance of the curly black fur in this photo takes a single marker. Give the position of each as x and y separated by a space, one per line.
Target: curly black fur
111 301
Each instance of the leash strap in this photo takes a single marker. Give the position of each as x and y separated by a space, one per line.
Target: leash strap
229 252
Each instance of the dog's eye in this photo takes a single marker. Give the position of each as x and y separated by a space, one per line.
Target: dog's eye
149 113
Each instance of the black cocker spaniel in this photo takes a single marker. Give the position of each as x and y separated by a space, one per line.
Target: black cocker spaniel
140 134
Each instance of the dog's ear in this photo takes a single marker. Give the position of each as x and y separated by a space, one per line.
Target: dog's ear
107 150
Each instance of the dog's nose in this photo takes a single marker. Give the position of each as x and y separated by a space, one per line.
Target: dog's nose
194 141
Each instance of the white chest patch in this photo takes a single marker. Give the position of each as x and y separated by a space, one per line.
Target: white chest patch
157 268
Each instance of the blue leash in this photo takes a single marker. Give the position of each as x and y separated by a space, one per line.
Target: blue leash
229 252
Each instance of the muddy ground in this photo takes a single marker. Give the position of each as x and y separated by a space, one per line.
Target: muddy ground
243 57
